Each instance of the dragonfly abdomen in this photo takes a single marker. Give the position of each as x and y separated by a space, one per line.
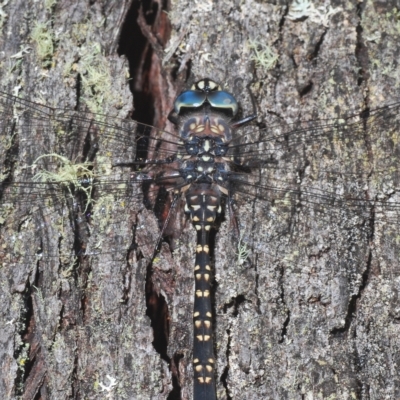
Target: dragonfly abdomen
203 204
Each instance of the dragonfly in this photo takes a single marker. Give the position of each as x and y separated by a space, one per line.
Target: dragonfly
88 174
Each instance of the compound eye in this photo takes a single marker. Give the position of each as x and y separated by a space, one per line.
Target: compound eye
189 99
224 100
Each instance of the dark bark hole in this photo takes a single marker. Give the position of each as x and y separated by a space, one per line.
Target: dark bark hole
26 360
288 314
361 49
306 89
139 52
224 376
235 303
162 205
81 232
176 391
136 48
317 47
78 90
142 64
284 328
157 311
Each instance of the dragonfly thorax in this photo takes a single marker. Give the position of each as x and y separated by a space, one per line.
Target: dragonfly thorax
207 124
199 171
206 147
204 143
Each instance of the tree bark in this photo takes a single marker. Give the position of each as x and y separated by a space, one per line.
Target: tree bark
312 312
71 330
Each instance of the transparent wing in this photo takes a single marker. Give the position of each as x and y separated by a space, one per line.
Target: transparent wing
338 177
62 186
353 161
58 183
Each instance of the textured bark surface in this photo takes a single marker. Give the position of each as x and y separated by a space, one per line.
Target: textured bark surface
312 312
68 330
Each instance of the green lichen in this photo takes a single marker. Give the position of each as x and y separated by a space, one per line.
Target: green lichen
96 79
243 251
92 67
263 55
49 4
78 176
307 9
43 36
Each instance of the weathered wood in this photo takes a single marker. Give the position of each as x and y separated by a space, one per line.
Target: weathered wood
312 312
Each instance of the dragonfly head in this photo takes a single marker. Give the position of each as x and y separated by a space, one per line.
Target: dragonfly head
206 91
